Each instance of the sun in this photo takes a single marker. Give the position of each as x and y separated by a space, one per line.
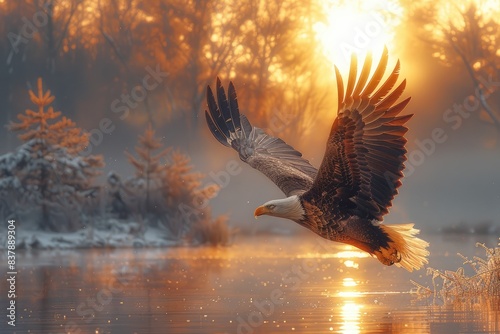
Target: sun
357 27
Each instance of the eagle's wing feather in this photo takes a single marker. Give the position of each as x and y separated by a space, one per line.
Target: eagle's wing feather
280 162
365 153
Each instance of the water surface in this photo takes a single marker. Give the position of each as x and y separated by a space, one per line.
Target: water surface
261 284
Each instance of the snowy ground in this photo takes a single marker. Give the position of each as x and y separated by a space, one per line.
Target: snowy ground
112 234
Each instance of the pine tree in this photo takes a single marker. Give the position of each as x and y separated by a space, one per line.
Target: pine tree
169 193
54 177
45 125
186 198
149 165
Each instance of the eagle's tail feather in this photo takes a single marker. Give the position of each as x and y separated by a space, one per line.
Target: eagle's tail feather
405 250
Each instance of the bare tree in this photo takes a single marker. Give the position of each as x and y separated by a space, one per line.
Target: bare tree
470 36
281 66
55 37
199 40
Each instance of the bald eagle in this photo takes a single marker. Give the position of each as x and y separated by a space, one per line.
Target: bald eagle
346 198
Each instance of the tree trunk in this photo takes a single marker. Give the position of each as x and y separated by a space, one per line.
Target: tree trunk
45 223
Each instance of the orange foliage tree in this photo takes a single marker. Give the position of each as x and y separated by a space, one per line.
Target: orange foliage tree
186 196
53 175
47 127
469 36
174 196
267 47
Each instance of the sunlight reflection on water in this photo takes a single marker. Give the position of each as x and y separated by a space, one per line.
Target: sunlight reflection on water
350 309
350 316
259 285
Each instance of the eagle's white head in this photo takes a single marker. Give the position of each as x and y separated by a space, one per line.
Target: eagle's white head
290 208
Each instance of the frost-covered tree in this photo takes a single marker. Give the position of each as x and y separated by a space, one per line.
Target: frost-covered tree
148 166
165 190
186 197
47 171
11 189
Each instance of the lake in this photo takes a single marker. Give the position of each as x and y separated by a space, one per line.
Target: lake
261 284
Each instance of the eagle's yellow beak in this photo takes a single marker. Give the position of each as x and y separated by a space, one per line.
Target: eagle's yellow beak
261 210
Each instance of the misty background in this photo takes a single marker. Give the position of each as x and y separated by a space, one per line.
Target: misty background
90 53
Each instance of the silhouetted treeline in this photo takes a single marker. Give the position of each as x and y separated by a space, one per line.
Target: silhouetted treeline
465 34
152 60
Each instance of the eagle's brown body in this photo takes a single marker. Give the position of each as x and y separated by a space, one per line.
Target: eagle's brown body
345 199
352 230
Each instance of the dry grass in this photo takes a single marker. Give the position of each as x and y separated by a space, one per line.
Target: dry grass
214 233
456 286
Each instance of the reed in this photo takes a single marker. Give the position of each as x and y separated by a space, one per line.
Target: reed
456 286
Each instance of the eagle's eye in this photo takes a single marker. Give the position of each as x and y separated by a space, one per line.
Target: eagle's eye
271 206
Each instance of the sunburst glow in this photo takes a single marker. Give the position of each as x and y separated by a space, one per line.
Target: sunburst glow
452 15
357 27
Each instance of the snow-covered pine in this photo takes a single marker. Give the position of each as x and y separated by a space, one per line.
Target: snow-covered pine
11 189
48 174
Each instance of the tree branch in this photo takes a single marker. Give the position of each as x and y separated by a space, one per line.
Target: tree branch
477 84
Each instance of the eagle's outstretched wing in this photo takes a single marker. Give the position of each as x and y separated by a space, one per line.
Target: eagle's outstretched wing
365 152
270 155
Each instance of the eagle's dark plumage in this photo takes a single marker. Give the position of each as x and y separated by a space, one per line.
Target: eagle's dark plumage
346 198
